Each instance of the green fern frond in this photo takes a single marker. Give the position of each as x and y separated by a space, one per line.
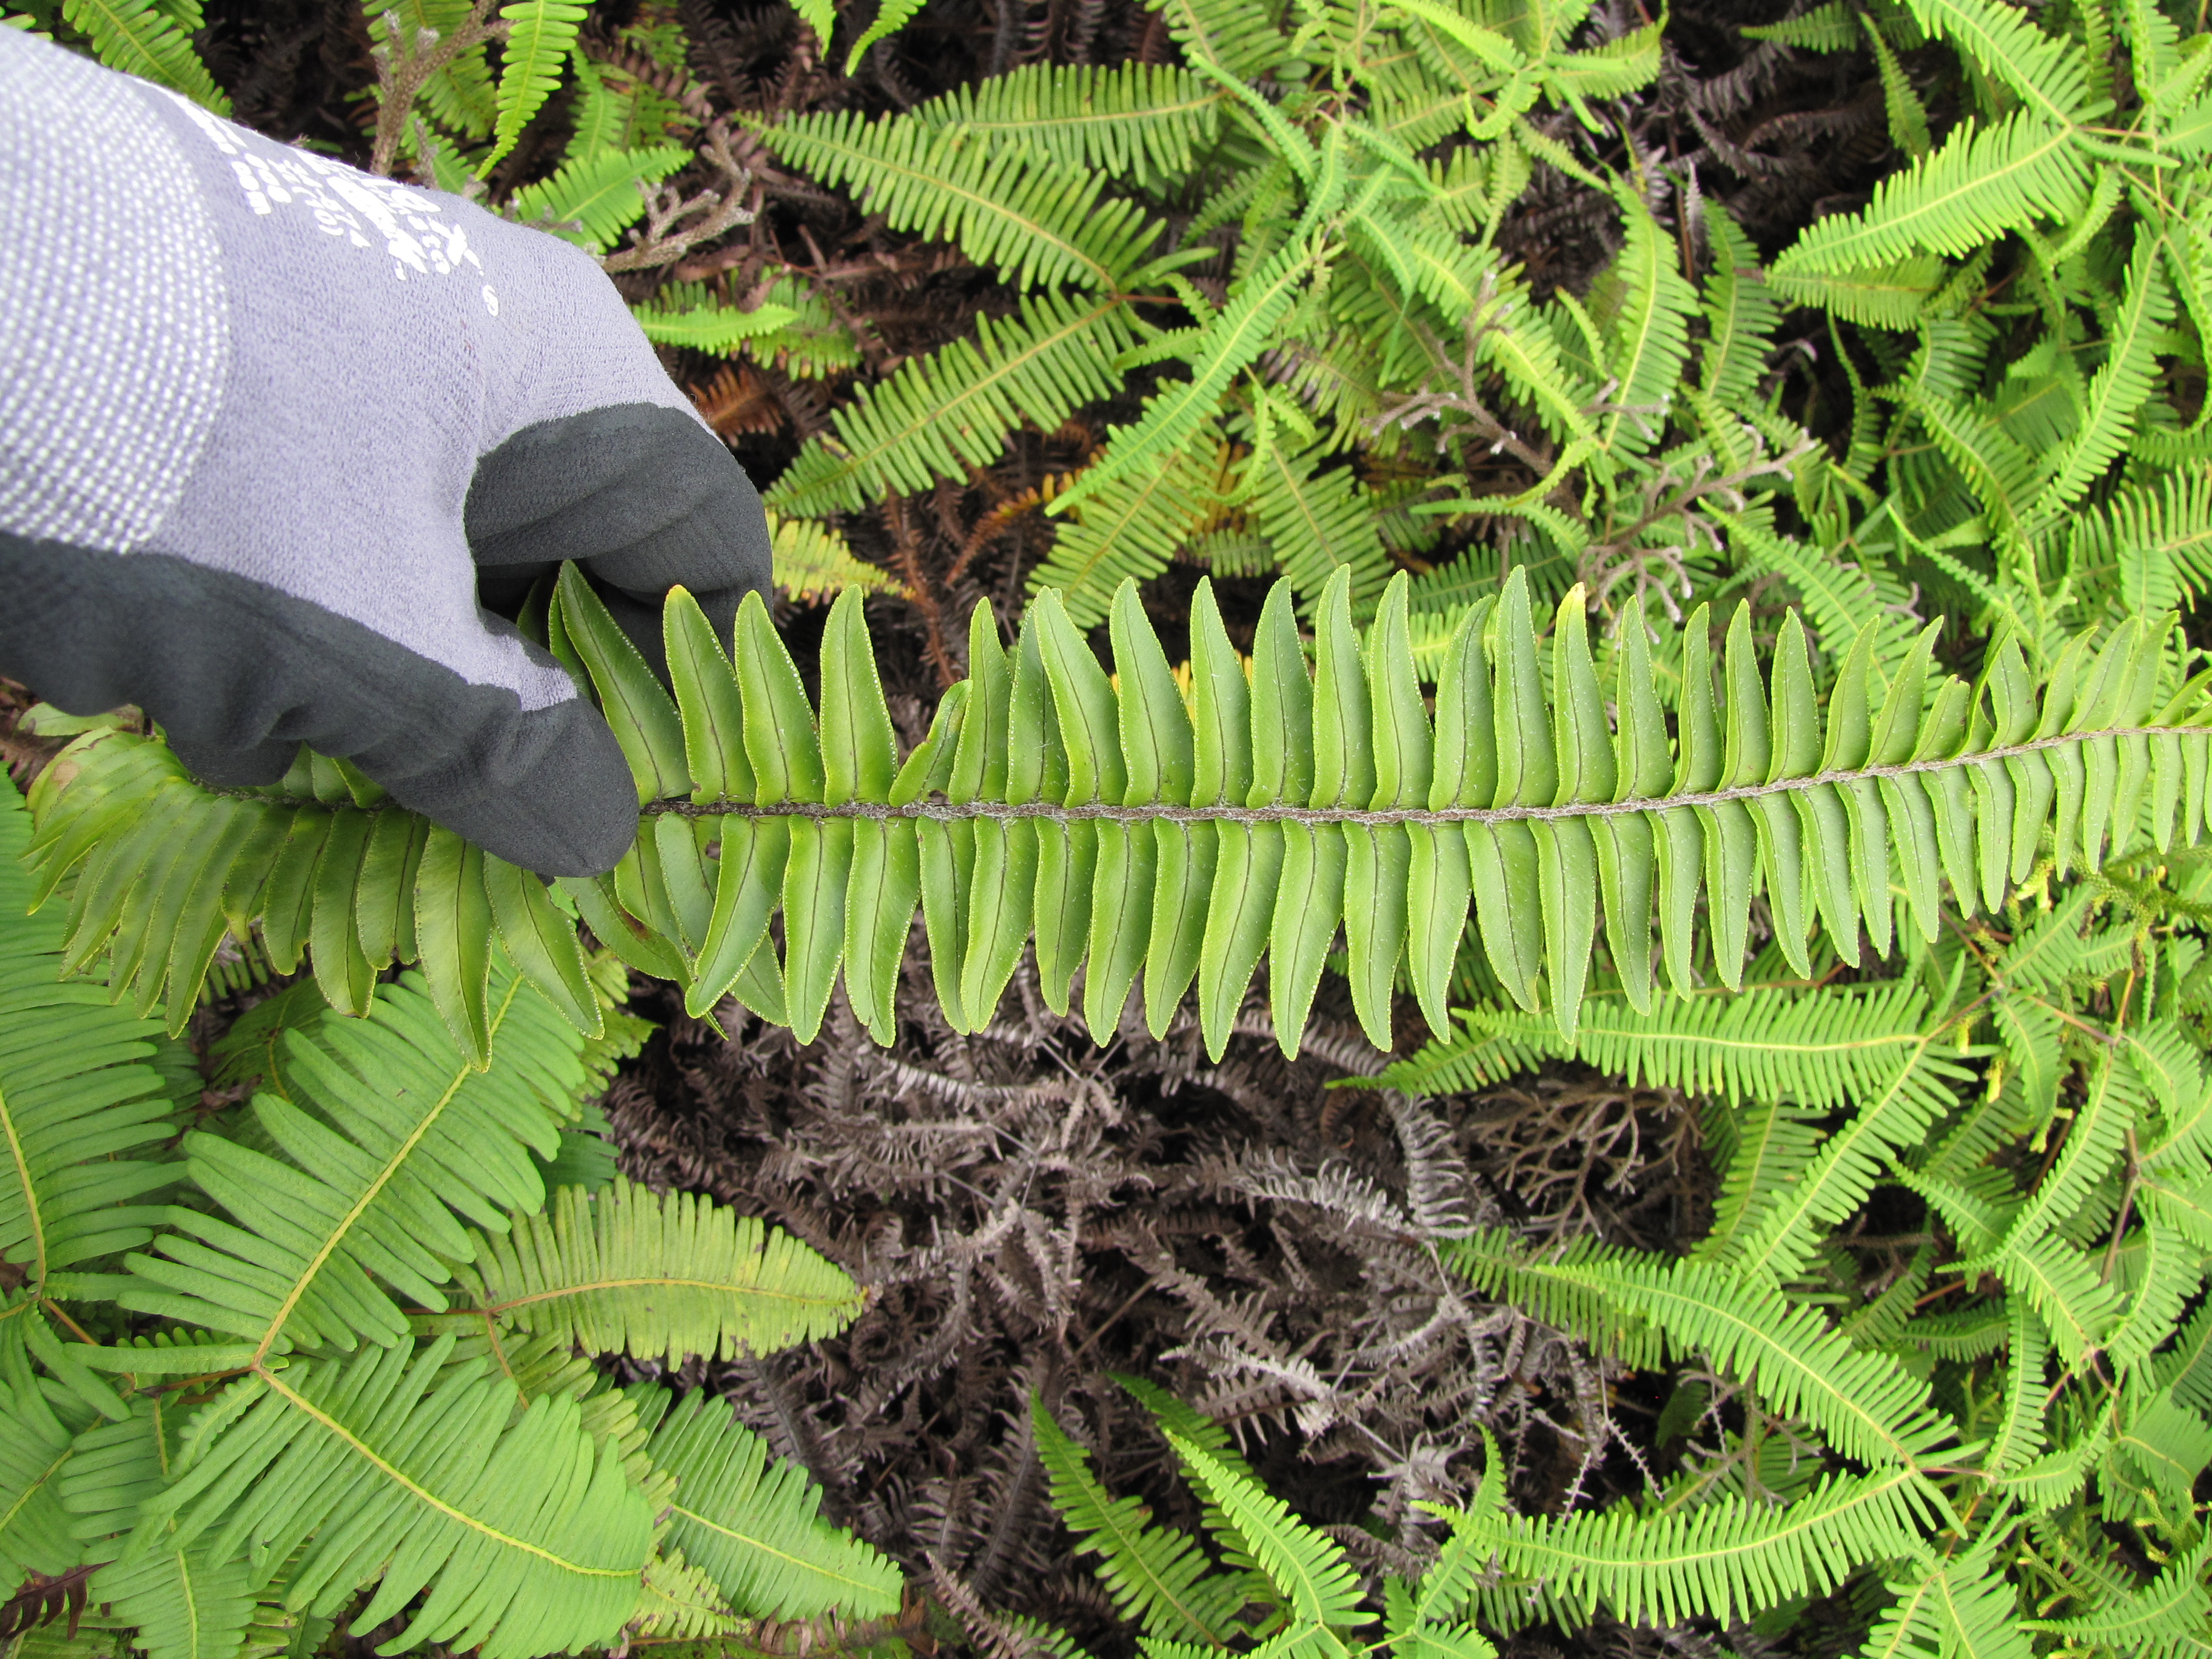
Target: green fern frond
657 1276
1319 521
187 1602
1740 315
685 314
1645 305
540 36
2048 75
813 562
526 1539
1038 223
1308 1570
387 1132
1141 122
1892 294
1723 1559
2122 386
34 1452
592 200
1218 352
1826 1048
1984 182
1866 1405
753 1523
1156 1575
76 1096
1541 793
2166 1619
940 415
141 37
1961 1605
680 1603
1127 531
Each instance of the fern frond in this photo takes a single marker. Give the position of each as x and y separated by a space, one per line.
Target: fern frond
753 1523
2166 1619
1157 1574
1308 1568
1127 531
1038 223
1140 123
76 1095
684 314
1825 1049
1218 352
1319 521
814 562
1741 314
526 1538
1646 309
1892 295
141 37
680 1603
2120 388
187 1602
540 36
1531 798
593 200
34 1452
2047 73
1866 1405
657 1276
940 415
1984 182
1723 1559
387 1131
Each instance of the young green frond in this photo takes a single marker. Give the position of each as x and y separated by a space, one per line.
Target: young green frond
594 198
540 35
526 1537
1144 123
386 1130
76 1098
753 1523
657 1276
148 39
1984 182
1040 224
940 414
1723 1559
1308 1569
1156 1575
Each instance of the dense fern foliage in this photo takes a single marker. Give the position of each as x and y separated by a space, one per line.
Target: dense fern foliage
1770 672
357 1370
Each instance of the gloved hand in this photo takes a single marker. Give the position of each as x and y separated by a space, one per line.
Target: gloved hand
269 426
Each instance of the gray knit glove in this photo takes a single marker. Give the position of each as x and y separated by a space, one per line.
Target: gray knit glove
273 435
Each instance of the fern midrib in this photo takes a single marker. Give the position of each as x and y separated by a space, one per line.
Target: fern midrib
398 1477
806 1562
657 1281
948 811
384 1176
30 1194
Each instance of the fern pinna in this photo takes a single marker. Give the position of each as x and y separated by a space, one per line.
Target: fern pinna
358 1369
1153 840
